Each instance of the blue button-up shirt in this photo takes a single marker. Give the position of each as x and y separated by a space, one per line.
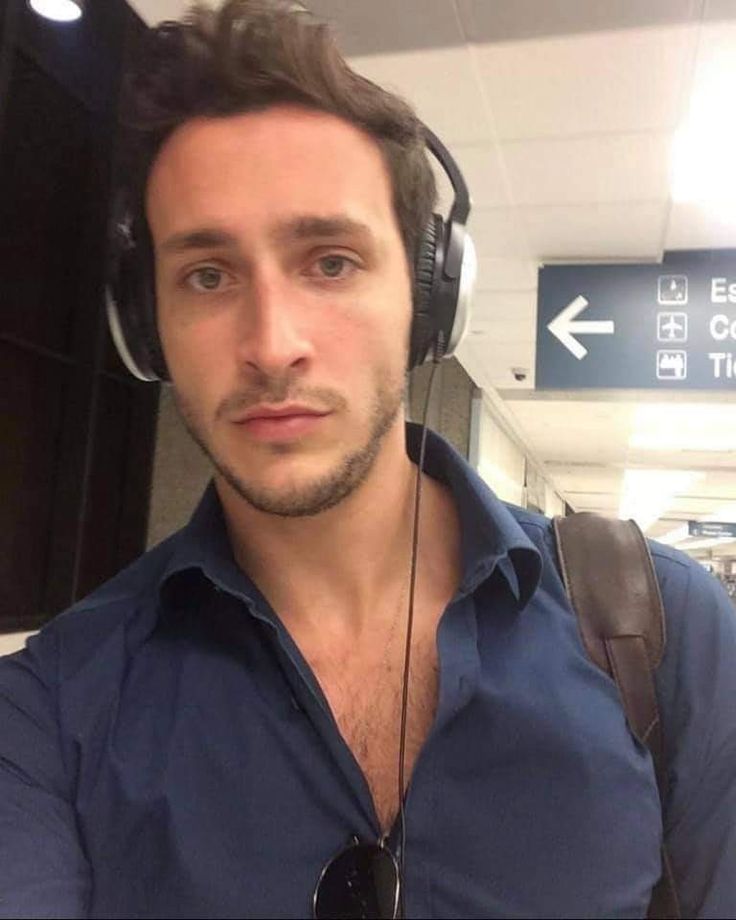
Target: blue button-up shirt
166 751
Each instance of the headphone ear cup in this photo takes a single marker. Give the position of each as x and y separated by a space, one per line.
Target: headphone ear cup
130 301
423 326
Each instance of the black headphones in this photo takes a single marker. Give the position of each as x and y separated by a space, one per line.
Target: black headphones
444 277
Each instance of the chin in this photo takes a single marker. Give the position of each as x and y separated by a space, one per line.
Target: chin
303 486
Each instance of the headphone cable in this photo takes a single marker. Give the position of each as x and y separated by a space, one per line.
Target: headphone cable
438 352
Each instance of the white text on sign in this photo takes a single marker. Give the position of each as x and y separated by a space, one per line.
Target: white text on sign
722 328
721 291
722 362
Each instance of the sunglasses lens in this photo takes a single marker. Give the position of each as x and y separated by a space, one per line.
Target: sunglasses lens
360 882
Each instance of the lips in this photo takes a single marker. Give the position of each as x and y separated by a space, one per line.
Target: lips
263 412
281 425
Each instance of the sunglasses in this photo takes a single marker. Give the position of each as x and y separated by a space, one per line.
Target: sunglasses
362 881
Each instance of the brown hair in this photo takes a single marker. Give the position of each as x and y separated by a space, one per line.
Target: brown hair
250 54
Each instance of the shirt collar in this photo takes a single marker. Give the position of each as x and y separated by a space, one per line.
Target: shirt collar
491 537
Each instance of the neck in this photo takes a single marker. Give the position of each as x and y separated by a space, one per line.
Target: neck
342 568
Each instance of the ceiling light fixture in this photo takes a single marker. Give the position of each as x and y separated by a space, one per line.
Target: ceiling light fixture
672 427
646 494
58 10
702 161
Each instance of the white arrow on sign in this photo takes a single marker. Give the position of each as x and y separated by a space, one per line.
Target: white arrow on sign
565 323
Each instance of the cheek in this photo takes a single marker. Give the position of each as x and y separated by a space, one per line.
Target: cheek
377 327
362 345
195 361
196 357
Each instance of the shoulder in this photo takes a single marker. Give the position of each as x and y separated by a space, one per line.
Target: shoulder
529 520
695 603
697 671
88 630
696 680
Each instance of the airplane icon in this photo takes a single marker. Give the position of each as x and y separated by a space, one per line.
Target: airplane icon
672 327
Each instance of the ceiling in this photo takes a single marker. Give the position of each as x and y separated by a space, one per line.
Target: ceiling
561 115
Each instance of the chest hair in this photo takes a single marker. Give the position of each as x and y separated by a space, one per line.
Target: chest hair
366 704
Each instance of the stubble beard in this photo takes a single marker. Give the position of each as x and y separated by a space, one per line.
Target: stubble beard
327 490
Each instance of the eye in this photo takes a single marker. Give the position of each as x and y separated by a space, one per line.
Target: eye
208 275
335 266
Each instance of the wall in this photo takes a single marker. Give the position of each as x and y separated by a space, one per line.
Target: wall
450 406
180 473
502 461
554 505
496 457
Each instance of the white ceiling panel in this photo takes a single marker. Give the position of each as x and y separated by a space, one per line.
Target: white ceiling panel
597 480
442 85
497 233
385 25
504 309
598 168
484 172
597 82
596 231
486 21
720 9
575 435
606 503
563 430
506 274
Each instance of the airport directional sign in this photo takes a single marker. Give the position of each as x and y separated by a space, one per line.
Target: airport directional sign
669 325
712 529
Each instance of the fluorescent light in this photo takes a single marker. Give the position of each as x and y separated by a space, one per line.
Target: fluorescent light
702 152
58 10
702 165
670 427
647 494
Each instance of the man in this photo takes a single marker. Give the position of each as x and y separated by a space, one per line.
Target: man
203 734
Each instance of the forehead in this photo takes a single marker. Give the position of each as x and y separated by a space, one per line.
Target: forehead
264 166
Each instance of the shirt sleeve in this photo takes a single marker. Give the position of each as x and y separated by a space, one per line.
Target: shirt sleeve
697 689
43 870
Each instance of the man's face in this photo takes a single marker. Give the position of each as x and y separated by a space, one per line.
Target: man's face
305 299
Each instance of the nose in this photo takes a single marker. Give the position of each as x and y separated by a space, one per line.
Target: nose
273 329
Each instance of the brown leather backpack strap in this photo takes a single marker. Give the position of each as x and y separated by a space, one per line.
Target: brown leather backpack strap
610 579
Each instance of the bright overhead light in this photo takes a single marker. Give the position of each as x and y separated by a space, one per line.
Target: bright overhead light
647 494
58 10
702 167
673 427
702 152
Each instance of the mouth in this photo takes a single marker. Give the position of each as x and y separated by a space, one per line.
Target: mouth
282 427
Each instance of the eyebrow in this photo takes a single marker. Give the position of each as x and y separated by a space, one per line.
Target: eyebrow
302 227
